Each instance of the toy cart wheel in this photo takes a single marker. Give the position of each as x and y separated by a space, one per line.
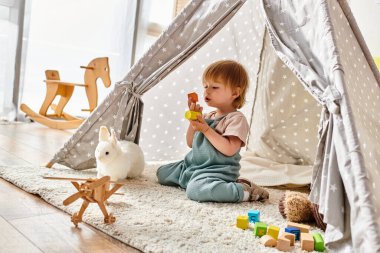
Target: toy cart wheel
110 219
75 219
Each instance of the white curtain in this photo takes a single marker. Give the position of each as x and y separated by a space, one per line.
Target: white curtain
66 34
10 11
154 17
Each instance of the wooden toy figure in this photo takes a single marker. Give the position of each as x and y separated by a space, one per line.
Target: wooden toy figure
91 191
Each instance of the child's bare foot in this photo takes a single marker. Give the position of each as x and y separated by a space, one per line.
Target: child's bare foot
256 193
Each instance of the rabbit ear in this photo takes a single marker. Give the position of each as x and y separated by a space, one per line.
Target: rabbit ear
113 137
104 134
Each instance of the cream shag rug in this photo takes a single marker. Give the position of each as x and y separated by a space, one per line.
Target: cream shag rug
155 218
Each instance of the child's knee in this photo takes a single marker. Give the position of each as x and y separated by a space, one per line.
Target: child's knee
194 191
166 176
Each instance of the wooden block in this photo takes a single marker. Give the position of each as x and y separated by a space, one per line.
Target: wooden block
307 242
260 229
319 244
254 215
192 115
193 97
290 237
302 227
273 231
295 231
268 241
283 244
242 221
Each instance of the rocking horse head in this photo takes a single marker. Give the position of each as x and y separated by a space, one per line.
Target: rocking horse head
100 69
97 68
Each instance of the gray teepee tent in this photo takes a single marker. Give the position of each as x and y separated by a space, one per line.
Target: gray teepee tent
282 44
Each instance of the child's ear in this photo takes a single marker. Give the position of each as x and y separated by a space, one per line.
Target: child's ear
236 92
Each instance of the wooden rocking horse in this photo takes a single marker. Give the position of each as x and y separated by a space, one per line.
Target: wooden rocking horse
97 68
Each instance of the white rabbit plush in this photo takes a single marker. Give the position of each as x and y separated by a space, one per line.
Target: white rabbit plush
117 159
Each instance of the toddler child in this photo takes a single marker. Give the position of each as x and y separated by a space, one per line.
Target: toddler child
210 170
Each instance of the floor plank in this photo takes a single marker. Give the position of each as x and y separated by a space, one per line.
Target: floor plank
8 159
25 152
36 136
13 241
55 233
16 204
38 226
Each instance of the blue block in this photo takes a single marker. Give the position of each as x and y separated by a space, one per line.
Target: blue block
254 215
294 231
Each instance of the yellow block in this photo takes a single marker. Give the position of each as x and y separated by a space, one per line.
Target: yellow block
377 61
191 115
242 221
273 231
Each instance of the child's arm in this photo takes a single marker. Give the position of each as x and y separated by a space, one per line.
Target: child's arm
189 136
228 146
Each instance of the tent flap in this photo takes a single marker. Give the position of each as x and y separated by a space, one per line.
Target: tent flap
309 48
194 26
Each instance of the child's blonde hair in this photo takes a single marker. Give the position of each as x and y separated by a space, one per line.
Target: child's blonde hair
230 73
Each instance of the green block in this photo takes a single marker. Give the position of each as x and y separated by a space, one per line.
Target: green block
260 229
319 244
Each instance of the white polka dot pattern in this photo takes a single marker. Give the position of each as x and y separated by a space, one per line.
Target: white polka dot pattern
285 117
364 95
163 132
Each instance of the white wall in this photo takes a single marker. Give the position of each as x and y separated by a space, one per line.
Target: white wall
367 15
64 35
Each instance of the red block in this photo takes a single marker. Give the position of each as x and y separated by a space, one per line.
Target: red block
193 97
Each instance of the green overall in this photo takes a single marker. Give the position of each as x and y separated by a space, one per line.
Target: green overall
205 173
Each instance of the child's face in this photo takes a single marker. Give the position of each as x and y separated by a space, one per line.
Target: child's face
217 94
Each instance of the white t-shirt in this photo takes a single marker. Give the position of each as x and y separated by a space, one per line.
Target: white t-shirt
233 124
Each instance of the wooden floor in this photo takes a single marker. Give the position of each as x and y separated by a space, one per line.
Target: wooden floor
28 223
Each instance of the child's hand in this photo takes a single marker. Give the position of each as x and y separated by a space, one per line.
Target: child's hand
199 124
194 106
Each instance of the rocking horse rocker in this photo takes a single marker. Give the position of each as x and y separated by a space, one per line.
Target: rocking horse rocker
97 68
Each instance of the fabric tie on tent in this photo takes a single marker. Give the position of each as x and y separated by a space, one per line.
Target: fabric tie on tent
129 112
130 88
331 97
